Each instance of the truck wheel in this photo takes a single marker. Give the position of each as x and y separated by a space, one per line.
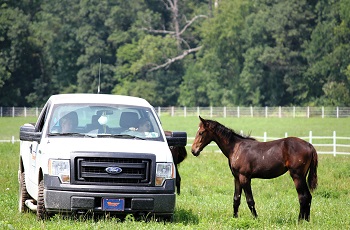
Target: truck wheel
23 194
41 213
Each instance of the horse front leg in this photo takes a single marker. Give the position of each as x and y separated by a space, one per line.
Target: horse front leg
237 198
245 182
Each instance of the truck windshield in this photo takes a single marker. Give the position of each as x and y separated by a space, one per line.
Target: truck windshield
117 121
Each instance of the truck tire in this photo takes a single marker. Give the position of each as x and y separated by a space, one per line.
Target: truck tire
41 213
23 194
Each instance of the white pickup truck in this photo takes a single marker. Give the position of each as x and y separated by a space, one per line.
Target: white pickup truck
88 153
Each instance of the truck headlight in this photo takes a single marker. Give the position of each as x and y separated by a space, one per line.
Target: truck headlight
60 168
164 171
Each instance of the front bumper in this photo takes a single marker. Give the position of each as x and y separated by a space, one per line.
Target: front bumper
83 198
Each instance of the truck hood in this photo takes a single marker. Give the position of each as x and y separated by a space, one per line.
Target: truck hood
61 147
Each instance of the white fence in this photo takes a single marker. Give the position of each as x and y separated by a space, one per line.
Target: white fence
251 111
323 144
238 111
19 112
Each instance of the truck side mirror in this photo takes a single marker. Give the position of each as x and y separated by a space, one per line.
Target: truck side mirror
27 133
177 139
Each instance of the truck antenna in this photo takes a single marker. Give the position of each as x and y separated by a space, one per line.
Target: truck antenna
99 78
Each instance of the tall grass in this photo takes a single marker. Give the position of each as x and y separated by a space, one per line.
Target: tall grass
207 187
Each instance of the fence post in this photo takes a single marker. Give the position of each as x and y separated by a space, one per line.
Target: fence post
197 111
293 111
334 143
322 112
225 112
159 111
266 111
286 134
13 140
337 112
251 111
310 137
280 112
172 111
265 136
238 112
211 111
308 112
185 112
13 111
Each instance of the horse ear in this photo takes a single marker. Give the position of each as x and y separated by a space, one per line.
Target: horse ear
204 122
200 118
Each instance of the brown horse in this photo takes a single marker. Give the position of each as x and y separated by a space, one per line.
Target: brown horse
249 158
179 154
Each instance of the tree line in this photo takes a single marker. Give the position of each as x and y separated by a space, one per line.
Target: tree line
175 52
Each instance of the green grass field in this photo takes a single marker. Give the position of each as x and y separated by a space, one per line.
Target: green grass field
207 185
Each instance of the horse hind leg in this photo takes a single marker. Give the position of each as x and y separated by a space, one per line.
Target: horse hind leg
304 196
250 200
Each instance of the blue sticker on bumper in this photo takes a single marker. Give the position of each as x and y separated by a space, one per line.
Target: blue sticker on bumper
109 204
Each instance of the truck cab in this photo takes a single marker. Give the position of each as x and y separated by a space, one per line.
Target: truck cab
97 153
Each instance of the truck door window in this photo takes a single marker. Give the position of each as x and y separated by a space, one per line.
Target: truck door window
42 118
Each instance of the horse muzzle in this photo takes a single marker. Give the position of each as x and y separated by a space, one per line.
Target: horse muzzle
195 152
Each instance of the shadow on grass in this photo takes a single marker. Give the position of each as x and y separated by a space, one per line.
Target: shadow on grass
185 217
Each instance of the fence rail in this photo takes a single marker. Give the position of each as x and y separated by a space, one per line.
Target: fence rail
323 144
238 111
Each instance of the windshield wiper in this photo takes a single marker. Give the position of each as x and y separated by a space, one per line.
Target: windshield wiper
120 136
71 134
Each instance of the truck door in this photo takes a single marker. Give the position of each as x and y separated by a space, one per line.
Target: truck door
35 145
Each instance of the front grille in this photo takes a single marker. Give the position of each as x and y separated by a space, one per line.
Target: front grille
92 170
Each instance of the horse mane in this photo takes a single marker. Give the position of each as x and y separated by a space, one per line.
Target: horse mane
226 132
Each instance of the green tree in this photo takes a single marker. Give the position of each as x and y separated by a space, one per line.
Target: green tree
219 63
92 35
264 52
192 90
53 36
158 55
328 54
274 39
18 63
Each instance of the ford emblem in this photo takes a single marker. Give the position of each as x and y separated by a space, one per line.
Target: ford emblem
113 170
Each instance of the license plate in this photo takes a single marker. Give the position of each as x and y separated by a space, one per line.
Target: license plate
110 204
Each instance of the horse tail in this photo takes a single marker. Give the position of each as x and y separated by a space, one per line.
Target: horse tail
312 177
